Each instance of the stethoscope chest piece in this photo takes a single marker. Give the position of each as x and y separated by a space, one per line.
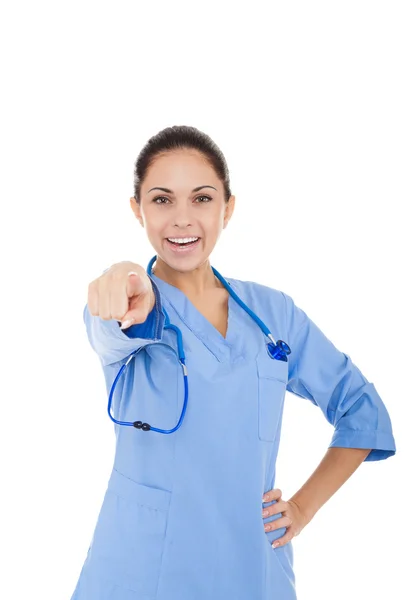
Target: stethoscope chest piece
279 351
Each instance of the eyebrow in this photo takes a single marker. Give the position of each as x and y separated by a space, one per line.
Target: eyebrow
196 189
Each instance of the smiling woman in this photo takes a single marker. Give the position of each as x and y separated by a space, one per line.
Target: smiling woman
167 529
184 223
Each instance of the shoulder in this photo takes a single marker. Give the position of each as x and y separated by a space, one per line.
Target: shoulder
258 292
268 303
272 302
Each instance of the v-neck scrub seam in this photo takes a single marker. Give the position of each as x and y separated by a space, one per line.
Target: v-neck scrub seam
206 333
199 333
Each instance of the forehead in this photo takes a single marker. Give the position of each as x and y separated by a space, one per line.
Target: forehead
181 169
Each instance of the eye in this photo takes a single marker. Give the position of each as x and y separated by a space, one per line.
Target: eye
164 198
208 198
159 198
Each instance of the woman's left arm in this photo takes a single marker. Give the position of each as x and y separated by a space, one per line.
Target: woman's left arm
328 378
335 468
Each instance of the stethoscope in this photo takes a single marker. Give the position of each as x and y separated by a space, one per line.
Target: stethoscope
278 350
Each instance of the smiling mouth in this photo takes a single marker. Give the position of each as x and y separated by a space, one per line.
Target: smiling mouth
181 246
191 241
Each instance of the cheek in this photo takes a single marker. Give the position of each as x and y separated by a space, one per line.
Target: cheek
212 224
156 226
154 237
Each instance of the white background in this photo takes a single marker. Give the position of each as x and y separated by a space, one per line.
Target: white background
310 103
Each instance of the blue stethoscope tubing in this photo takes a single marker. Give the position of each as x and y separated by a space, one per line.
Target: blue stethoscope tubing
278 350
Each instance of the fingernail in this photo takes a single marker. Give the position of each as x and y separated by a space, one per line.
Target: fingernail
265 498
275 544
126 324
131 273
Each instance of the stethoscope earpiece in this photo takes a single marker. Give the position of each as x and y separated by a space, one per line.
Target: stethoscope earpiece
279 351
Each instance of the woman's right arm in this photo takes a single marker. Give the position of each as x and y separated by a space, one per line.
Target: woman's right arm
115 297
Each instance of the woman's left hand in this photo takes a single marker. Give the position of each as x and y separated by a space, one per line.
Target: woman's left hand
292 517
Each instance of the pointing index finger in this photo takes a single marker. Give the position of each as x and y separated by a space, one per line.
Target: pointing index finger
135 286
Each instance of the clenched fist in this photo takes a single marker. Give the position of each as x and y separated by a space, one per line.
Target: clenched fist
124 292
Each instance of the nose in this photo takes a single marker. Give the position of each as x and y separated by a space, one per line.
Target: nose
182 216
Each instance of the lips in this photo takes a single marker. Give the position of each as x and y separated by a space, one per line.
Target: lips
182 249
182 237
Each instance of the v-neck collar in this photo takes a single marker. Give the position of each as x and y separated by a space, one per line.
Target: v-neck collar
197 322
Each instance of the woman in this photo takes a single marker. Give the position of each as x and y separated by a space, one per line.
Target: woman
184 517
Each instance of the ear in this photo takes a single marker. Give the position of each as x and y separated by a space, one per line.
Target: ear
229 209
135 207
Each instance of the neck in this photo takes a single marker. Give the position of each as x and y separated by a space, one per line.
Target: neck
192 283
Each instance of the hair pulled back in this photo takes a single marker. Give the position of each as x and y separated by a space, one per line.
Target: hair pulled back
180 137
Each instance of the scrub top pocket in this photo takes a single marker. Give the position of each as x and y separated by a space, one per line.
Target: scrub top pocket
272 383
129 537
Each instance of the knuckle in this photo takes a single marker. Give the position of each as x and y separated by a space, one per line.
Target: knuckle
117 273
91 288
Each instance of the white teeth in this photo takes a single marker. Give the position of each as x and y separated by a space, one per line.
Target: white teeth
183 240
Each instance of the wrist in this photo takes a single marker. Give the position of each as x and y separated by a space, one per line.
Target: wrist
306 513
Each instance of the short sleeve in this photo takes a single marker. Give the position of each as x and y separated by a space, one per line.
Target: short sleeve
113 344
328 378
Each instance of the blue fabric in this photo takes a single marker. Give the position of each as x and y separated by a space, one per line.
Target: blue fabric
181 516
334 384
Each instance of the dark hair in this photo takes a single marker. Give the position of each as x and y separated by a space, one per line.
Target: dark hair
180 137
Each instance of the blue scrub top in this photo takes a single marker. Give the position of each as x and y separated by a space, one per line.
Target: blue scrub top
181 516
